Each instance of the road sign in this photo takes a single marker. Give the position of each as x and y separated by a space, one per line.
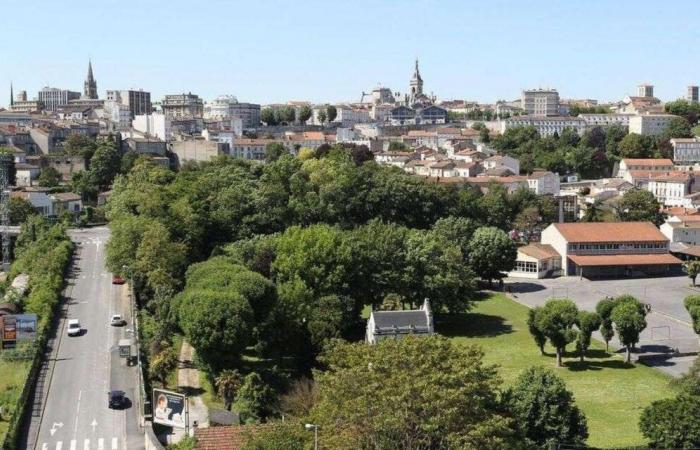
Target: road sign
169 408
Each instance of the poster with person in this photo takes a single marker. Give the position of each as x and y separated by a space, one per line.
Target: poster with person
169 408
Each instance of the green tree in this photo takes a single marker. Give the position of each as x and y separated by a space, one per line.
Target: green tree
495 207
629 322
275 435
555 320
267 116
227 383
544 410
331 113
396 146
322 116
587 323
456 407
537 335
491 253
274 151
672 422
256 401
593 212
604 310
105 164
640 206
20 210
678 127
689 111
80 145
305 114
457 230
128 160
634 146
49 177
162 364
692 305
159 258
692 269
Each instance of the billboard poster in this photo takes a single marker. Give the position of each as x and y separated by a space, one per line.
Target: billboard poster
169 408
26 326
9 332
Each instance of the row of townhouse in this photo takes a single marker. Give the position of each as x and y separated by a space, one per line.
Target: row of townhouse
670 186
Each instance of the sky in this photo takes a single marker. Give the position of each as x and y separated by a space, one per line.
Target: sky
269 51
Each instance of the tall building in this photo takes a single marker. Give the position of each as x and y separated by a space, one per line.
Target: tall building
417 98
181 106
90 87
693 94
54 98
138 102
541 102
645 90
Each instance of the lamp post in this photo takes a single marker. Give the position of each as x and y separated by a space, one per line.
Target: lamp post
311 426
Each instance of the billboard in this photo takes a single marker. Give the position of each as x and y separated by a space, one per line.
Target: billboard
9 331
169 408
26 326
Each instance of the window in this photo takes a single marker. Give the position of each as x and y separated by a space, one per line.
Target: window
525 266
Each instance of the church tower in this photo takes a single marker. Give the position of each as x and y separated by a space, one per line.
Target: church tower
90 89
12 95
416 84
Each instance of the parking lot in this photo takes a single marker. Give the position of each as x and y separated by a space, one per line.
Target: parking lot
669 334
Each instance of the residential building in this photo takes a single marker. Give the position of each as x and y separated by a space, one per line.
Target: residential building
156 125
66 202
540 102
348 116
603 249
22 105
684 229
198 150
543 183
686 150
137 101
66 165
54 98
645 90
693 95
14 118
498 161
145 146
671 188
120 116
546 126
90 86
402 115
432 115
643 164
251 149
186 106
26 174
606 120
397 324
249 113
649 124
537 261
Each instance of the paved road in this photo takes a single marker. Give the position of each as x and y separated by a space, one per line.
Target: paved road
668 325
71 410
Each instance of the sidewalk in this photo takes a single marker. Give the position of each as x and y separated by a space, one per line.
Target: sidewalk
188 382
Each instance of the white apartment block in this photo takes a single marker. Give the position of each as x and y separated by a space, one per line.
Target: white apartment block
541 102
686 150
649 124
348 116
54 98
546 126
606 120
682 229
156 125
671 189
543 183
654 165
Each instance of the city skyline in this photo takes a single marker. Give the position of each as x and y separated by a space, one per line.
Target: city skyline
482 53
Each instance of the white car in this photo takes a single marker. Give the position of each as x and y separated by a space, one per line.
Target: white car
117 321
74 328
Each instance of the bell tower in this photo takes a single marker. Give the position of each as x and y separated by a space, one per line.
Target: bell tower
416 84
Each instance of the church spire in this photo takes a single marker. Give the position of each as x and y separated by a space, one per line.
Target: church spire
12 95
90 88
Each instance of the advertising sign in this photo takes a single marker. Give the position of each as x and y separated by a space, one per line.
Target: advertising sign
8 327
169 408
26 326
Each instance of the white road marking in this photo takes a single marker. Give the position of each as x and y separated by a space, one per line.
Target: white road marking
86 444
115 443
93 424
100 444
75 427
73 444
44 446
59 445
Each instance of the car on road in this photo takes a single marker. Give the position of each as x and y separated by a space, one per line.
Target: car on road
74 328
117 321
116 279
116 399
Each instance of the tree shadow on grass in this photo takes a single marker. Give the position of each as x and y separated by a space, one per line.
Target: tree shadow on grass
473 325
595 359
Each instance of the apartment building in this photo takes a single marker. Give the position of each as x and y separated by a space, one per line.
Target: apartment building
540 102
186 106
138 102
54 98
658 165
686 150
606 120
546 126
649 124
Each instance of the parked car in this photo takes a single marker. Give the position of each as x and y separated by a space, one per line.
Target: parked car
116 279
74 328
116 399
117 321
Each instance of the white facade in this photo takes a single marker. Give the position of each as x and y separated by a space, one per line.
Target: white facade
156 125
679 230
546 126
670 191
686 150
498 161
348 116
541 102
649 124
543 183
606 120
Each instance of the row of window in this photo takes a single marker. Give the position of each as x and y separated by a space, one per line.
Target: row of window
526 266
615 246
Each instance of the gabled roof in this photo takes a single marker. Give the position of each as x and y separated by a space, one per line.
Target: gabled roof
539 251
610 232
400 319
647 162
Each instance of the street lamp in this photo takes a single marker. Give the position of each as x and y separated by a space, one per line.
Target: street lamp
311 426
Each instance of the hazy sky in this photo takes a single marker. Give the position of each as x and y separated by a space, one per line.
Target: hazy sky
273 51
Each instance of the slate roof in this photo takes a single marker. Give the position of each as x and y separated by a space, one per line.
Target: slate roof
399 319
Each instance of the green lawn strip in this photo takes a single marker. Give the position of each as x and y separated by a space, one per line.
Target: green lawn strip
173 375
610 393
13 375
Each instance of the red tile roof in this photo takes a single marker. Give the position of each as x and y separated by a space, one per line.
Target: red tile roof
221 438
539 251
625 260
647 162
610 232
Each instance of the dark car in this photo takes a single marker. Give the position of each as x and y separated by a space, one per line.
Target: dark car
116 279
116 399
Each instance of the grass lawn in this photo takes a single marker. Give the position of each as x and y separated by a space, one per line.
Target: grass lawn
611 393
13 375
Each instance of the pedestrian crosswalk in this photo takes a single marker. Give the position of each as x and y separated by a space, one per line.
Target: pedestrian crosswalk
84 444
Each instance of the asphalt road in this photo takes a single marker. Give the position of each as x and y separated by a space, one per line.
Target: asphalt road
71 411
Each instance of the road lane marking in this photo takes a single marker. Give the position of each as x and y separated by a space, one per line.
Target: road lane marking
44 446
73 444
77 413
100 444
115 443
59 445
86 444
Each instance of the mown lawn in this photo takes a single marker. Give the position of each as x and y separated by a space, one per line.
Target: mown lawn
13 375
611 393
